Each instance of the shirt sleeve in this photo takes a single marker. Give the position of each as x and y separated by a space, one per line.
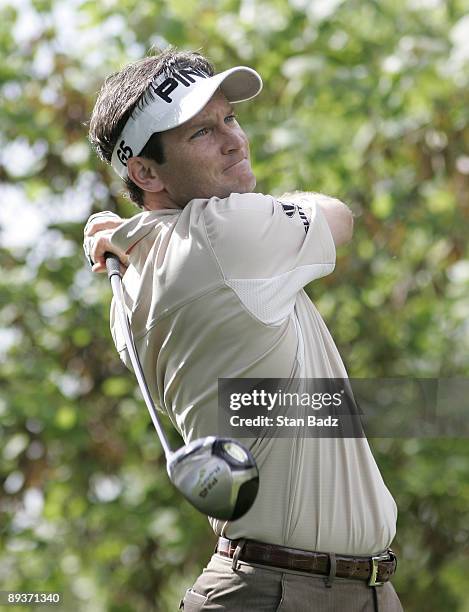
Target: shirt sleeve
268 250
256 236
129 237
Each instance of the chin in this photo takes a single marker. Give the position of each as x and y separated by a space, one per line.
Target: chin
247 186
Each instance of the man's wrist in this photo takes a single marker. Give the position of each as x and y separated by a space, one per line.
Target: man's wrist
102 215
95 223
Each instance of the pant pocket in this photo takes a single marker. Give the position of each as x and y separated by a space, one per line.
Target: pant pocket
192 602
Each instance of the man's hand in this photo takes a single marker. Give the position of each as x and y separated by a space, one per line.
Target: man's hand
97 234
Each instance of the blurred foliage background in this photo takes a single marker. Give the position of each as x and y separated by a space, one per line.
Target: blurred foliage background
364 100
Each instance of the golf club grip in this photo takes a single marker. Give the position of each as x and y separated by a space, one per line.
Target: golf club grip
112 264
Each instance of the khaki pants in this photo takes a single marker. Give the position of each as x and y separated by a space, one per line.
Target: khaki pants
258 588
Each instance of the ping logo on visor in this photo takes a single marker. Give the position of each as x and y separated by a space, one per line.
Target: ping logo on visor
177 97
186 76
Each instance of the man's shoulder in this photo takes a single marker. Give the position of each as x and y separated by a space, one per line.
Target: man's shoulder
234 202
140 226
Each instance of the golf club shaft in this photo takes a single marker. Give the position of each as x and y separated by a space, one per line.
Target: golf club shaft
114 274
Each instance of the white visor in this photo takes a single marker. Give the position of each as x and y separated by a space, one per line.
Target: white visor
178 98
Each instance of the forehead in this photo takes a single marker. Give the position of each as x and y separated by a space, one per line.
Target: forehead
217 103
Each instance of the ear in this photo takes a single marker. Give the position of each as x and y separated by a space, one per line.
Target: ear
143 172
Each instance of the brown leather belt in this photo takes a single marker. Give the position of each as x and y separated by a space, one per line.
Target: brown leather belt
374 569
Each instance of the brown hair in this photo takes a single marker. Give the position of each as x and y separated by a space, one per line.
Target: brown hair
128 89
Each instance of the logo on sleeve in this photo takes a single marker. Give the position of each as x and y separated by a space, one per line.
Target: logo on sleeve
304 218
290 211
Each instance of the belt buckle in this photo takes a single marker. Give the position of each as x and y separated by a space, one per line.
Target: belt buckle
374 568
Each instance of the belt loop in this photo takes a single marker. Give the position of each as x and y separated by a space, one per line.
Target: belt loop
237 552
331 576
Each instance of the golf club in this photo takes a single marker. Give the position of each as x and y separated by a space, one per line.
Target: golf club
218 476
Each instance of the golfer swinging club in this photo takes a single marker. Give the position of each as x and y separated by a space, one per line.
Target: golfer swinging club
214 277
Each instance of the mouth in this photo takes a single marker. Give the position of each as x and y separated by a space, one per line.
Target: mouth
235 164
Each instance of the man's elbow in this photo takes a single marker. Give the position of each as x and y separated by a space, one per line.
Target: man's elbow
345 232
339 218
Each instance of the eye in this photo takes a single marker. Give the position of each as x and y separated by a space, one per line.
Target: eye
201 132
230 118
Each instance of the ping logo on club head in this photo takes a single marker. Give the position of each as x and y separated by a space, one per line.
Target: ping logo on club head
207 481
208 487
124 152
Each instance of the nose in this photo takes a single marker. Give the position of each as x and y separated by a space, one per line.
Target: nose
233 140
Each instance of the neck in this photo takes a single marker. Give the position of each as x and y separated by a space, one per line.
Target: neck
159 201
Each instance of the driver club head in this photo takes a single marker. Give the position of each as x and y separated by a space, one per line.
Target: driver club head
218 476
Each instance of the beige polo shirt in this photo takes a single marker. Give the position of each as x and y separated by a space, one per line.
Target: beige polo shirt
216 291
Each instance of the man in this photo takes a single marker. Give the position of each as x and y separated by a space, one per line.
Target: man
214 289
